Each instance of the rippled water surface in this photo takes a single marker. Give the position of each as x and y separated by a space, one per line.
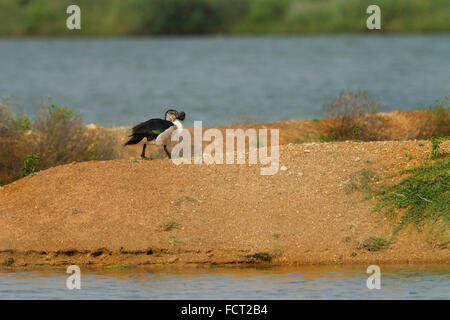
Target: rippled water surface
398 282
221 80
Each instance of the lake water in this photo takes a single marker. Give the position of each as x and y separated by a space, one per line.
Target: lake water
220 79
397 282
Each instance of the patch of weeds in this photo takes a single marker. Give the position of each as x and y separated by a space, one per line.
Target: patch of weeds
346 239
29 165
173 240
299 141
436 147
361 180
368 162
375 244
259 257
22 123
316 120
169 225
310 137
73 210
276 234
355 133
182 199
8 262
424 195
408 156
421 144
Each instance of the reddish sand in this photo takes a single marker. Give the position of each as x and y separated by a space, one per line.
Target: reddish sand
113 212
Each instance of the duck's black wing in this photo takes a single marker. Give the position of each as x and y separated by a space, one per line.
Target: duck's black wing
149 129
152 126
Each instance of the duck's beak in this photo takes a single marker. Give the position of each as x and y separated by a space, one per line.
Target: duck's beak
181 115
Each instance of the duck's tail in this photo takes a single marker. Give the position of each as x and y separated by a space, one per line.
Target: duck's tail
134 140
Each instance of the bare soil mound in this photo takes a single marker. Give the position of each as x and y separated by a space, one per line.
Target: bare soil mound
147 212
403 125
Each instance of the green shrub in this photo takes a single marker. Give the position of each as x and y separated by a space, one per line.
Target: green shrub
375 244
424 195
29 165
169 225
436 147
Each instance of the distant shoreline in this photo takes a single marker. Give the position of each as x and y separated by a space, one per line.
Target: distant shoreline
178 17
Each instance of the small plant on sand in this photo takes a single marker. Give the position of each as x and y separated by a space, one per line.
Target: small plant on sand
310 137
422 198
355 133
410 157
173 240
375 244
185 198
29 165
169 225
276 234
361 180
436 147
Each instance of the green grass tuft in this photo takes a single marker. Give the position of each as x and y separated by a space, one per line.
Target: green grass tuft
375 244
436 147
424 195
169 225
361 180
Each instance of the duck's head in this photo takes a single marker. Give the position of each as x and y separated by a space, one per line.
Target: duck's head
172 115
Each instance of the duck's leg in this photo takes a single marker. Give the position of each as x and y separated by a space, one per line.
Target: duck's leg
143 152
168 153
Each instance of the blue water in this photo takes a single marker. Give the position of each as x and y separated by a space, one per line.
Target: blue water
402 282
220 79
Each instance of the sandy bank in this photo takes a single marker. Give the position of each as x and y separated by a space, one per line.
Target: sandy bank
118 212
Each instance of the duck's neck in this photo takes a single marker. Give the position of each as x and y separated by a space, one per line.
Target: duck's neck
178 124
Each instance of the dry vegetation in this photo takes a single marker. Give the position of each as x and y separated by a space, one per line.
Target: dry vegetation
56 136
356 117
